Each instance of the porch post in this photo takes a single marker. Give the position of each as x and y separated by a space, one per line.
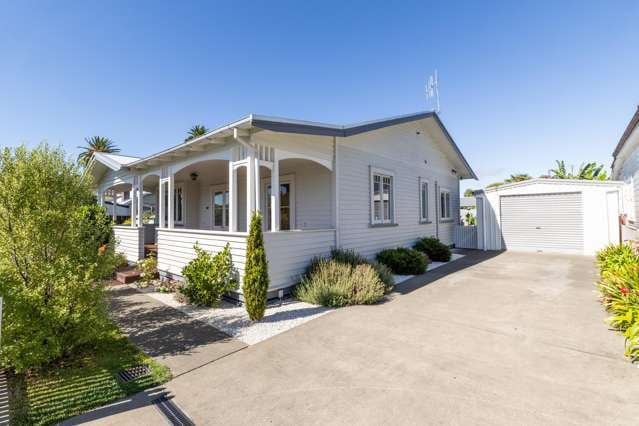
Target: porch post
232 220
161 206
140 208
114 204
275 194
171 207
133 207
250 187
257 182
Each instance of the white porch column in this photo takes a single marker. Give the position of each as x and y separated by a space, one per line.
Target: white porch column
257 183
250 187
170 183
133 215
275 194
232 220
161 206
140 208
114 204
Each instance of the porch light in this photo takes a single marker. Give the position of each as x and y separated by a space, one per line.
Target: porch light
194 176
453 171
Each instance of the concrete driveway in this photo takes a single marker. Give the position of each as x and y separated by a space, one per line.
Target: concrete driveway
489 339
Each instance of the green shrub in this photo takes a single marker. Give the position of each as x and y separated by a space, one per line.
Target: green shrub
55 247
256 279
616 255
619 287
403 261
434 249
121 260
336 284
385 274
352 258
148 270
126 222
209 277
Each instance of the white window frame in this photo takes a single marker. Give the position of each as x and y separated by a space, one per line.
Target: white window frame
224 189
447 214
266 182
182 187
382 173
424 216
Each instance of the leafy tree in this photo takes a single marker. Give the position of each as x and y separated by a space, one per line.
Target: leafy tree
54 250
494 184
468 192
255 271
196 131
520 177
95 144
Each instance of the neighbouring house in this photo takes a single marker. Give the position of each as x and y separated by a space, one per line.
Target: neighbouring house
366 187
625 165
550 215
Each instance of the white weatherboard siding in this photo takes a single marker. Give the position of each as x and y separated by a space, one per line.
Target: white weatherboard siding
597 223
289 253
629 174
130 241
403 152
175 247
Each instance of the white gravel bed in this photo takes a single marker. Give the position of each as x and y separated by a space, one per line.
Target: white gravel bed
431 266
234 321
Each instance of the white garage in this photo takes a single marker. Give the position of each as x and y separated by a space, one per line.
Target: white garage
549 215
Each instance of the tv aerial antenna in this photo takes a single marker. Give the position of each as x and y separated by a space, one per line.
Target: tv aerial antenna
432 90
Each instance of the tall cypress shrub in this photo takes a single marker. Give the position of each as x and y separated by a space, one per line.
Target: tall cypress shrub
255 271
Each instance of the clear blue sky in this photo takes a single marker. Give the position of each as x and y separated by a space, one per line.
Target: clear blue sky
522 83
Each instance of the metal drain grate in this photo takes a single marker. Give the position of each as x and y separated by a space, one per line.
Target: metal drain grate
130 374
172 412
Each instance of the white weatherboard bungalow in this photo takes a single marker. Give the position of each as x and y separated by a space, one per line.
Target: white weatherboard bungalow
625 165
365 187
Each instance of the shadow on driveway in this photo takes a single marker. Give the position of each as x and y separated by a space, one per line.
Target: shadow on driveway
471 258
166 334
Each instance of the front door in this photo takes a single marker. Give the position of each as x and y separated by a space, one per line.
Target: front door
219 207
286 206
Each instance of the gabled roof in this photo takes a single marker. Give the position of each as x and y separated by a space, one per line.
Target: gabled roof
288 125
101 162
114 161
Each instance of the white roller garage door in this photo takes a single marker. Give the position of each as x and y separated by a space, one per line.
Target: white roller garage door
543 222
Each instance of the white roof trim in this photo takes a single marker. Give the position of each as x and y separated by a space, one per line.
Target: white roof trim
575 182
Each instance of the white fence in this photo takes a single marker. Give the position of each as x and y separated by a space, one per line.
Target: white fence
465 237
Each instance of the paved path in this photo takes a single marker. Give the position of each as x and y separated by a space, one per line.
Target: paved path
502 339
171 337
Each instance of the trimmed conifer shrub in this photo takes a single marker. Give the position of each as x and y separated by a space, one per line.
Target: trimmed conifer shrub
255 271
434 249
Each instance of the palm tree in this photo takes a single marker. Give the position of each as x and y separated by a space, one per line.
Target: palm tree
95 144
196 131
518 178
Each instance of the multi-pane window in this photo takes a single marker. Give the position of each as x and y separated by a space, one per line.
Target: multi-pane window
423 198
382 198
220 209
444 198
285 206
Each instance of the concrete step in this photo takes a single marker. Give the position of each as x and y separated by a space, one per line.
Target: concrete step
127 276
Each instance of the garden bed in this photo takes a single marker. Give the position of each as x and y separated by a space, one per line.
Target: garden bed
79 383
432 265
234 321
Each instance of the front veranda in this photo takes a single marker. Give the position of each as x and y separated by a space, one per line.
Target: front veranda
208 202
